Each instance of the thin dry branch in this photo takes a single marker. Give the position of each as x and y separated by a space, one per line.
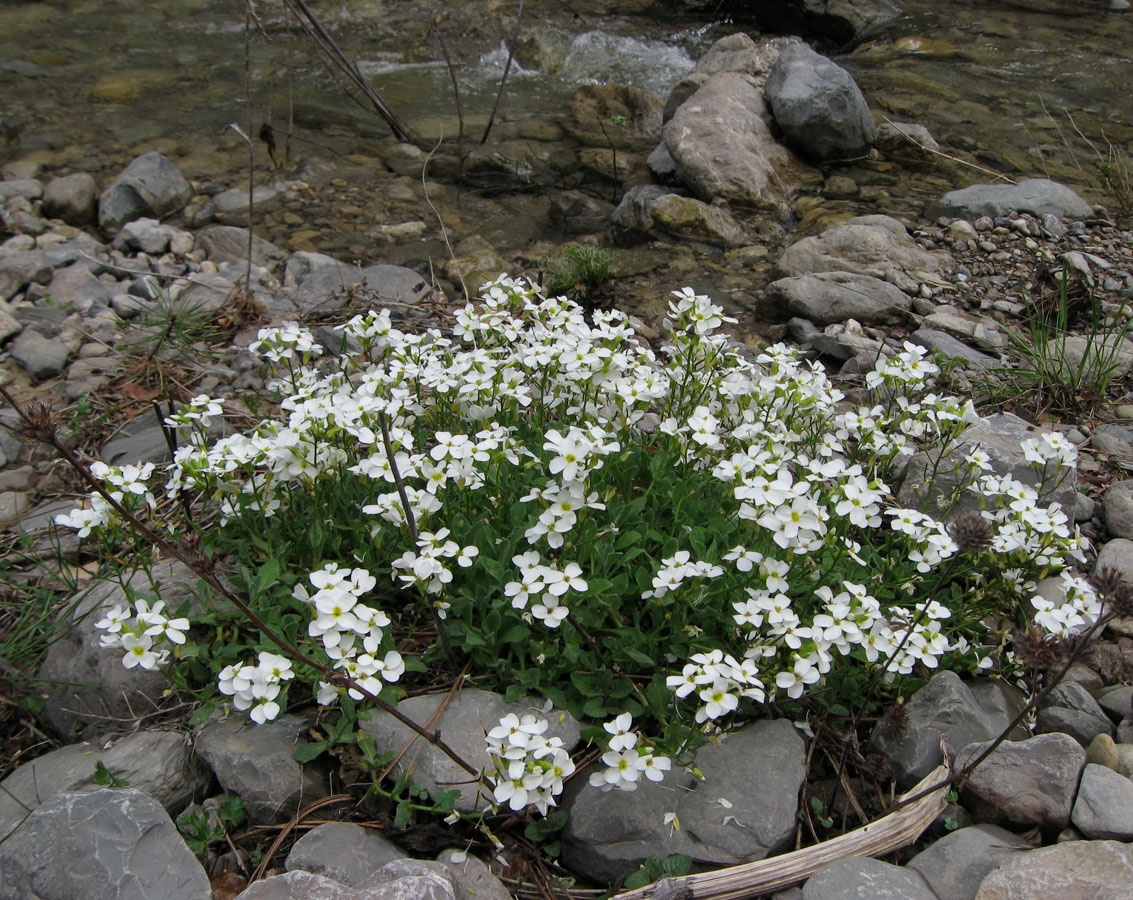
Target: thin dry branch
891 832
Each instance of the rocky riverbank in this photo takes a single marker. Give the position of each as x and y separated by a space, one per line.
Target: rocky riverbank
140 289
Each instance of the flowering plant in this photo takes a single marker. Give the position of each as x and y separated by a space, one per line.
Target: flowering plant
679 537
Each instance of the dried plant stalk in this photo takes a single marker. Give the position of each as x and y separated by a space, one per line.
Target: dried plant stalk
889 833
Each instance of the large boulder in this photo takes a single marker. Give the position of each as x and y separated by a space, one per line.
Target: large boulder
322 284
743 807
723 147
878 246
104 845
151 186
828 297
818 106
1037 196
734 53
1077 870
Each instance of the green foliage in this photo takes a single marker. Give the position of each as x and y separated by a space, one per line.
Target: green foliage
654 869
201 829
581 271
105 778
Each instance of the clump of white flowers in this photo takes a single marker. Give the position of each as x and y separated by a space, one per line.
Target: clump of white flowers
257 686
627 758
143 631
528 765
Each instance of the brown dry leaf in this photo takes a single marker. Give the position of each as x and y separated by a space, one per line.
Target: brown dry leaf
137 392
228 885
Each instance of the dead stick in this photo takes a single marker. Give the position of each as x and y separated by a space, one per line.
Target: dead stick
507 69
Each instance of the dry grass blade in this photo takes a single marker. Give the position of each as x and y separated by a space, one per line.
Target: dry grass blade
889 833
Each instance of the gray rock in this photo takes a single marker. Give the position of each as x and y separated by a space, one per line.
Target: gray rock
472 878
20 268
75 286
9 324
1025 783
905 140
326 288
1083 359
149 186
157 763
72 198
468 716
1077 870
1104 808
140 440
1114 445
103 845
662 166
1117 555
955 865
574 212
818 106
256 763
90 689
345 852
1070 709
733 53
632 212
840 22
27 188
40 357
743 809
1001 436
1036 196
227 243
147 235
207 292
944 709
231 206
307 886
689 219
723 147
1117 700
953 348
878 246
829 297
862 878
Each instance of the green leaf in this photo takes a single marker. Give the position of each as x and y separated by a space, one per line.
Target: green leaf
515 692
402 817
414 664
312 750
268 575
677 864
642 659
201 714
515 635
627 539
231 811
103 776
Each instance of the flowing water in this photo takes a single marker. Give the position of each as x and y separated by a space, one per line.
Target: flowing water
88 85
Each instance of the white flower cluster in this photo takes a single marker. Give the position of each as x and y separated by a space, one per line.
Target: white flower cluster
287 343
350 631
550 582
143 631
627 761
123 483
528 767
256 686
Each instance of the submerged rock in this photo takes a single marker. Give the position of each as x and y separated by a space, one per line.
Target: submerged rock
1037 196
604 115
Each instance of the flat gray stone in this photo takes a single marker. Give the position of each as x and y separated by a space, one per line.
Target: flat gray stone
1025 783
1117 555
1104 807
1118 506
1076 870
745 807
72 198
40 357
27 188
76 286
145 235
256 762
327 288
945 708
149 186
862 878
955 865
157 763
472 877
828 297
1037 196
818 106
343 851
227 243
953 348
468 716
1070 709
104 845
20 268
308 886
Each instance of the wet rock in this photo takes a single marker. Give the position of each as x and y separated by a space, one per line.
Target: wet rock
20 268
743 809
149 186
227 243
829 297
688 219
1104 808
955 865
862 878
40 357
1070 709
103 845
231 206
632 212
1037 196
734 53
723 147
26 188
1001 437
256 763
466 719
1024 783
158 763
348 853
905 141
878 246
945 708
839 22
1078 870
599 115
574 212
90 689
818 106
72 198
